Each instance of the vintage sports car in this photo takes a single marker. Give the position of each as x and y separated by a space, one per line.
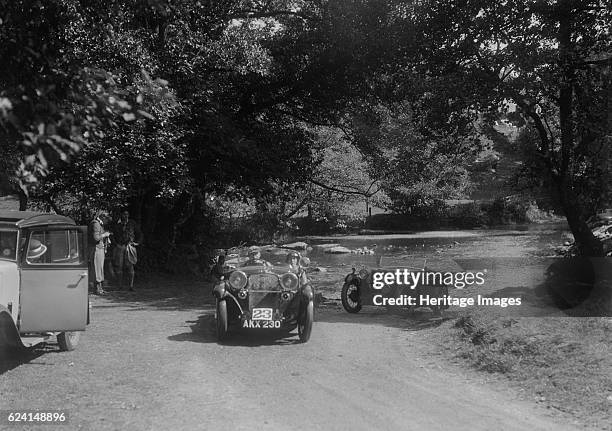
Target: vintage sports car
264 297
358 291
43 279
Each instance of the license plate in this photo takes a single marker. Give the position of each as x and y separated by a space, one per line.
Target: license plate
261 314
261 324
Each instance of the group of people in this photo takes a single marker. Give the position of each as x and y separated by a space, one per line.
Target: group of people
116 240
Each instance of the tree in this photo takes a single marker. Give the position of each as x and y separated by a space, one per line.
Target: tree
419 163
224 112
550 59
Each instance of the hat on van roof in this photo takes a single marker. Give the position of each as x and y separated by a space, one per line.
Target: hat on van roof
36 249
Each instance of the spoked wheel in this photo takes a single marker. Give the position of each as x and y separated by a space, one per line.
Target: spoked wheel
351 299
221 320
305 322
68 340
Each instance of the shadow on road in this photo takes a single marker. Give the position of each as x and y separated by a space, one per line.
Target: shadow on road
13 358
203 331
401 318
164 294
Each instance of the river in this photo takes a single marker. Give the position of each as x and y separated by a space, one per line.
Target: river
513 241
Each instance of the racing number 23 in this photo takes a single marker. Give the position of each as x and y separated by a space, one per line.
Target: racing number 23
262 314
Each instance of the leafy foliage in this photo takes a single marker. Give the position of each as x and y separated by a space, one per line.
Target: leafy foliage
550 60
288 106
418 168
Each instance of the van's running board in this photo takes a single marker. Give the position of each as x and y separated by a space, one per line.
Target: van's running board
29 341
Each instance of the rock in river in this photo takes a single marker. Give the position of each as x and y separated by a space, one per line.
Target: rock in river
325 246
318 269
295 246
337 250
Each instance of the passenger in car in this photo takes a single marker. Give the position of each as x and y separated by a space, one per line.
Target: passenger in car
35 251
293 259
7 247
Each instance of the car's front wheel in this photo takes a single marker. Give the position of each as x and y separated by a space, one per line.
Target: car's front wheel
68 340
221 320
305 322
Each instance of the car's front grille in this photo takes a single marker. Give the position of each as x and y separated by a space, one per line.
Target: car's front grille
264 282
264 291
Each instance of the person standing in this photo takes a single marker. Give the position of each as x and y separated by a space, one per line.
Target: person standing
127 237
98 239
218 270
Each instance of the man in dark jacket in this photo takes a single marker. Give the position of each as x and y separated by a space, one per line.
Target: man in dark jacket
127 237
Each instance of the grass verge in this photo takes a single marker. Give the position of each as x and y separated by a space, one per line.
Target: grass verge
565 362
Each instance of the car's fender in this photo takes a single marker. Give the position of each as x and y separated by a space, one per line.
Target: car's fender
308 292
9 335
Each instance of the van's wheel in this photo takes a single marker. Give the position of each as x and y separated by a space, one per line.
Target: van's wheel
221 319
68 340
351 299
305 322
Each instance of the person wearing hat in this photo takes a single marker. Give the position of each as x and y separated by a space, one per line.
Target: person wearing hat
98 240
127 236
293 259
255 257
35 250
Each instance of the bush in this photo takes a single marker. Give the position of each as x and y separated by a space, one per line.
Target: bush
468 215
506 210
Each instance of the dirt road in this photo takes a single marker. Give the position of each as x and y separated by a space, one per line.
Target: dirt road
153 363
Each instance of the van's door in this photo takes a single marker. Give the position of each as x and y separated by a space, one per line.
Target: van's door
54 295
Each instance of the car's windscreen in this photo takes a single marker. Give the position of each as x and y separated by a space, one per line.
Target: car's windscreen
8 244
259 269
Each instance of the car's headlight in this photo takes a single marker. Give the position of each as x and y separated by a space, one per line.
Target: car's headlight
238 280
289 281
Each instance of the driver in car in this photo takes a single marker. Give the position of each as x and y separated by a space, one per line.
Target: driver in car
255 258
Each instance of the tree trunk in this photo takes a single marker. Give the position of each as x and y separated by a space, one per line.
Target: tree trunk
587 243
574 210
23 199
